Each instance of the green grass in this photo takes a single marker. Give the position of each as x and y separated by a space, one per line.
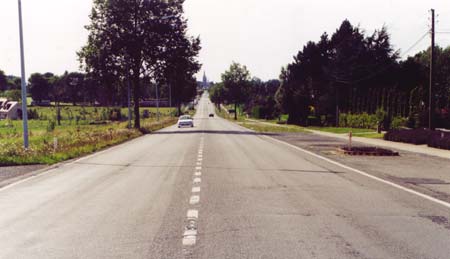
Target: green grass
73 140
373 135
264 128
90 113
342 130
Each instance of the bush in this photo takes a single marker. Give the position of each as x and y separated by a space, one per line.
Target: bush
256 112
13 95
363 121
439 139
433 138
33 114
51 126
399 122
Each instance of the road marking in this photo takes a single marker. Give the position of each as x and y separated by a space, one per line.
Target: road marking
192 214
200 159
190 232
198 168
195 189
424 196
198 173
197 180
189 240
195 199
199 163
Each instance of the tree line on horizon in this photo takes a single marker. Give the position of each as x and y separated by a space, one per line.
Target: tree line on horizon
132 44
347 73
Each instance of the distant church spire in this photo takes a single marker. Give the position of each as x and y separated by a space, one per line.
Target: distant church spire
205 81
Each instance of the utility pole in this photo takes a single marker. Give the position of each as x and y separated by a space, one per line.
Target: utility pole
129 101
432 63
157 102
170 97
23 81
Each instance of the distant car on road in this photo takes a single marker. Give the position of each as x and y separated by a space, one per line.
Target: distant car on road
185 121
211 115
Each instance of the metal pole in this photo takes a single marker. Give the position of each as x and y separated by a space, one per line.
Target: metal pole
129 103
23 81
432 63
157 102
170 97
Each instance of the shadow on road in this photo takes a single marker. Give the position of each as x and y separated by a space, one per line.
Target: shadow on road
220 132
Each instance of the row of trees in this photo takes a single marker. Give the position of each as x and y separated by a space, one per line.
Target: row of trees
354 73
238 87
8 82
137 44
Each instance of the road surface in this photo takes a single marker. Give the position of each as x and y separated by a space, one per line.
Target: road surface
215 191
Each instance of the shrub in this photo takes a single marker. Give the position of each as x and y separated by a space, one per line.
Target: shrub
256 112
439 139
433 138
364 121
33 114
51 126
414 136
13 95
115 115
399 122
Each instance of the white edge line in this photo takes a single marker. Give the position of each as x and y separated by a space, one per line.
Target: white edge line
424 196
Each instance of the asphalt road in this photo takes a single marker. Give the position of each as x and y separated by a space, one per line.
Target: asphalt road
215 191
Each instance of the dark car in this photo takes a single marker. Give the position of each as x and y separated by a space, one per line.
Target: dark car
211 115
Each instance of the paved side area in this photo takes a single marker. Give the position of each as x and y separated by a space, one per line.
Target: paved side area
10 174
425 173
421 149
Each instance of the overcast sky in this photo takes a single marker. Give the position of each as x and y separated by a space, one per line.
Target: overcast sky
262 34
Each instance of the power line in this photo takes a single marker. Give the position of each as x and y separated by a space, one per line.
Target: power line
389 66
415 44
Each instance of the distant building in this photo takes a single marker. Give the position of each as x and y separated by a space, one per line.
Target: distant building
204 84
9 110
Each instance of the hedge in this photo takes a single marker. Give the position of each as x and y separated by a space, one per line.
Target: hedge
432 138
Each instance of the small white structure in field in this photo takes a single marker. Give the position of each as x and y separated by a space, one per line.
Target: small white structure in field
9 110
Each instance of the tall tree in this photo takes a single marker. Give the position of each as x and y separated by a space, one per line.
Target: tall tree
236 82
128 40
3 81
40 86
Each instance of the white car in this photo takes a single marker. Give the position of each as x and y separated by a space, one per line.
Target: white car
185 121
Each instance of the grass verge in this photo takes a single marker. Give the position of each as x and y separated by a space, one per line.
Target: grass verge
68 141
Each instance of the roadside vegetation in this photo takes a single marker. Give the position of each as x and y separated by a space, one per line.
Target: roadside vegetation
51 143
346 81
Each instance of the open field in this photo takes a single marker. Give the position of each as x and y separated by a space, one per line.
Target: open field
82 131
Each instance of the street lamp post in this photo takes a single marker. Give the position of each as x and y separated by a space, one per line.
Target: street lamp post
23 81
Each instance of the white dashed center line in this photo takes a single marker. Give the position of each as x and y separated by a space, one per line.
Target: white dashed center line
192 214
190 233
194 199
